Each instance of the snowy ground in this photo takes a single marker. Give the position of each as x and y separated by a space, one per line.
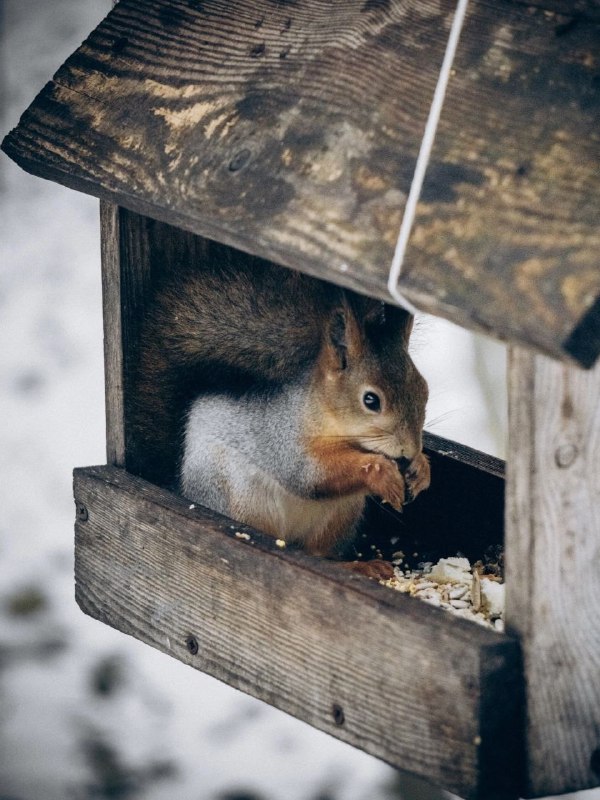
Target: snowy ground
86 712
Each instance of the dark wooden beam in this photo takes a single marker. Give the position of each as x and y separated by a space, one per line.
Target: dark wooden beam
291 130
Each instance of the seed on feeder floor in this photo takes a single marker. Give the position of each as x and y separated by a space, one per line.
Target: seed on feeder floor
426 585
244 536
459 604
432 599
454 585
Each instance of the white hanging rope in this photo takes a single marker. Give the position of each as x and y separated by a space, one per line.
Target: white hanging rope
424 156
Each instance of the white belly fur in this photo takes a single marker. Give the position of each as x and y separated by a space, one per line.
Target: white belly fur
245 492
263 503
225 442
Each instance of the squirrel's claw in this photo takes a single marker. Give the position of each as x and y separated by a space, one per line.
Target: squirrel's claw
417 476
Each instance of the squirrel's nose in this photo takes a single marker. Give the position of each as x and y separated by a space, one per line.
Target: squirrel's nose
408 452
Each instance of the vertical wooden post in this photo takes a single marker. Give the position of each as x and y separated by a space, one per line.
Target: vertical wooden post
138 252
127 265
113 351
552 566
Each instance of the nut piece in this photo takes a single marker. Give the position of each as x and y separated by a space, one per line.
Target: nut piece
452 569
492 596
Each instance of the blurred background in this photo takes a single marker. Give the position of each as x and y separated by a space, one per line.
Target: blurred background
86 712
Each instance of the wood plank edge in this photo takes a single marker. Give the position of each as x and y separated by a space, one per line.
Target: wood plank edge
584 341
465 454
502 675
113 354
588 12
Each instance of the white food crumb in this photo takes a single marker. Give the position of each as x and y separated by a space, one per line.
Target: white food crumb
244 536
193 505
280 542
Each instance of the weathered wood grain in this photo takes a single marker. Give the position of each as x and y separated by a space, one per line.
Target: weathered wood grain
291 131
552 559
129 253
425 691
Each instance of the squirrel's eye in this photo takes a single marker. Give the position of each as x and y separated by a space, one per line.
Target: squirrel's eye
372 401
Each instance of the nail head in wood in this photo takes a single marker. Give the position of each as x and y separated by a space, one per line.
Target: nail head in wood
337 712
192 645
82 512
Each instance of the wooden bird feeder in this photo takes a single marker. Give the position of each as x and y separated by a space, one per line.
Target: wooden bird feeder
289 130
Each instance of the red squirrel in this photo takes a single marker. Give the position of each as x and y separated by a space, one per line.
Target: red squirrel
293 400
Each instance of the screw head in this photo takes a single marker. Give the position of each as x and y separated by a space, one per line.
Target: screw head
82 512
337 712
192 644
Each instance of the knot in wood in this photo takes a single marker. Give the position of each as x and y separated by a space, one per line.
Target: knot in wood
565 455
239 160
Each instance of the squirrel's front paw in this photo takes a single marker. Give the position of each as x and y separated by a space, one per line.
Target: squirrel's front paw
417 476
383 478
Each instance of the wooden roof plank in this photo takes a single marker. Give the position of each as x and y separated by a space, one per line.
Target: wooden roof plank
291 131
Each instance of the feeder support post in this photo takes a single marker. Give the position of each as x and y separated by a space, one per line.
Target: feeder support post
113 354
552 563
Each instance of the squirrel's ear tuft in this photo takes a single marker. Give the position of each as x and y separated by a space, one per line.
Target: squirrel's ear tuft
374 312
392 322
337 337
344 339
